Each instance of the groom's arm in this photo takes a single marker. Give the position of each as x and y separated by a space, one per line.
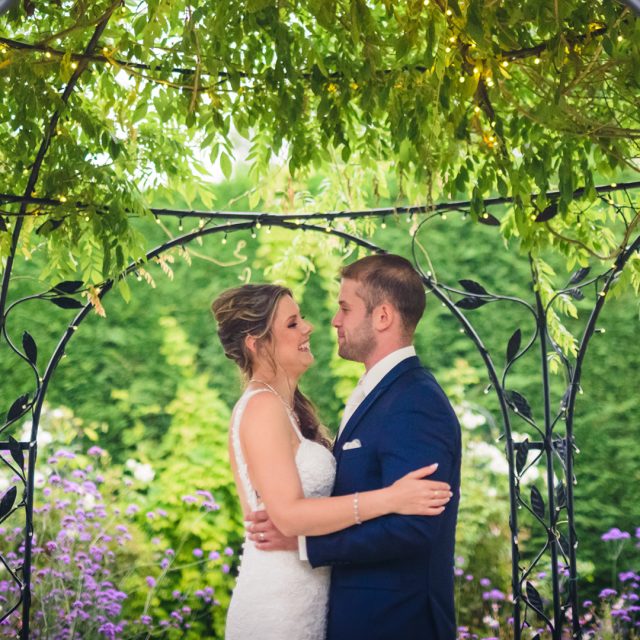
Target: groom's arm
413 439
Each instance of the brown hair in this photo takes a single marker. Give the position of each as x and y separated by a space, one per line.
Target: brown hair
249 311
391 278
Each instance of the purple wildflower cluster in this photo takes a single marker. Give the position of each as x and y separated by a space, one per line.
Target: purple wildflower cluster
615 614
94 575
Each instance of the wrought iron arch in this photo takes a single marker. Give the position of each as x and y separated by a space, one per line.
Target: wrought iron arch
549 446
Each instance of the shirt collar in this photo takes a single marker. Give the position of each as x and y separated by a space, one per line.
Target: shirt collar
380 369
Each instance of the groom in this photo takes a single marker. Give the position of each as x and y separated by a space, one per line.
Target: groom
392 577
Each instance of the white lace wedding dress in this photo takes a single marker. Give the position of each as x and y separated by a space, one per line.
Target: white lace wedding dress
277 596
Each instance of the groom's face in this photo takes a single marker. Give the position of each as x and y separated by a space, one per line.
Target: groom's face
356 337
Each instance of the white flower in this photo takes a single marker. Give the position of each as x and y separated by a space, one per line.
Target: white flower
88 502
144 473
497 461
471 420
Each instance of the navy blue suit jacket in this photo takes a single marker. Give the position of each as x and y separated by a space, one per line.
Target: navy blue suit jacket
392 577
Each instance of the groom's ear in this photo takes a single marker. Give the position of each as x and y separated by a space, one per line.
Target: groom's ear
384 315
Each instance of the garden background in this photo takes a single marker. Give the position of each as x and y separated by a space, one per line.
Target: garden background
137 524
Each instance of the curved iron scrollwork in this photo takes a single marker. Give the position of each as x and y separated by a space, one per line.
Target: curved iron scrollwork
547 445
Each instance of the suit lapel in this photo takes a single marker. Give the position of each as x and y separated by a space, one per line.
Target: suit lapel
402 367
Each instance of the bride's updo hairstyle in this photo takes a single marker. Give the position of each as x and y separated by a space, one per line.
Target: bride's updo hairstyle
249 310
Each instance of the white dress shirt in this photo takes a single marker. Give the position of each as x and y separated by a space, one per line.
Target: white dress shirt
367 383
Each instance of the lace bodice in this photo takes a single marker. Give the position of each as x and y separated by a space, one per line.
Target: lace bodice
277 595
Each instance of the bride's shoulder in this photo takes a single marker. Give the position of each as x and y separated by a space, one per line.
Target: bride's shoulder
263 409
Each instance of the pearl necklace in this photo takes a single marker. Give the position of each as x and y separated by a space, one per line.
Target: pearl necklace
277 393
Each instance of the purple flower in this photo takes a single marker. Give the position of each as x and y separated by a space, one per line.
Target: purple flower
151 581
485 582
458 572
228 551
468 577
587 603
198 553
615 534
607 593
494 594
95 451
627 575
146 620
189 499
214 555
226 568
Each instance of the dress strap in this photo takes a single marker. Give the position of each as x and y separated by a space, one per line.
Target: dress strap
293 419
250 493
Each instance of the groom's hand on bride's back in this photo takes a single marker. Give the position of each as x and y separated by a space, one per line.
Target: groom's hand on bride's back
263 533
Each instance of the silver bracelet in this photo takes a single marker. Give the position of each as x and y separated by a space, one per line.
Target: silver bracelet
356 508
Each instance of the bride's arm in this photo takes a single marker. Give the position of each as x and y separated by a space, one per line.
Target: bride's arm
267 440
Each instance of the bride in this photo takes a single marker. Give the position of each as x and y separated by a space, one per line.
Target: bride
281 462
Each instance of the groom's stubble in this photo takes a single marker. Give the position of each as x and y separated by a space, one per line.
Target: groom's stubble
360 342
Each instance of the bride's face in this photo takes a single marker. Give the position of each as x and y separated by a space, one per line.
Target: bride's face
289 344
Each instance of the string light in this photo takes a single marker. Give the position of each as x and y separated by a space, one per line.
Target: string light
224 239
74 65
201 223
537 61
180 225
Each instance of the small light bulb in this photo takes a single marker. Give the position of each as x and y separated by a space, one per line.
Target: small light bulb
74 65
449 12
461 79
537 61
47 54
620 38
476 109
224 240
63 199
505 63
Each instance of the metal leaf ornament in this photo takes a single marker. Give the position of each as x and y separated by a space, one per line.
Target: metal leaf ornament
561 496
472 302
579 275
473 287
489 220
576 294
537 502
68 286
18 408
16 452
514 345
518 403
521 455
67 303
548 212
30 347
534 597
8 499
